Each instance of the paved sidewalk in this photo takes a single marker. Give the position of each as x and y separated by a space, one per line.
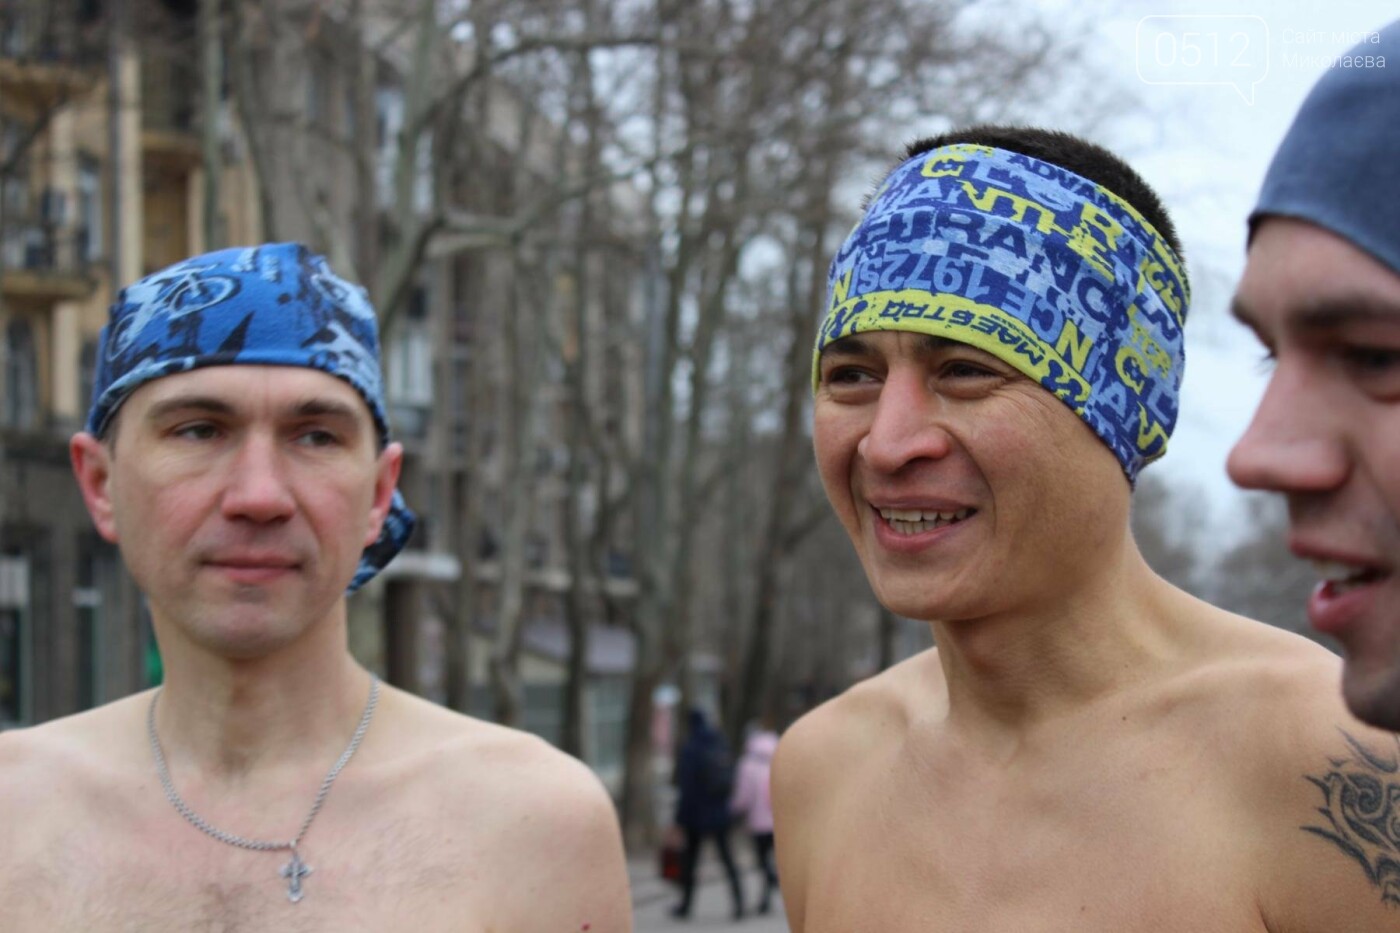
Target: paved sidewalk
653 899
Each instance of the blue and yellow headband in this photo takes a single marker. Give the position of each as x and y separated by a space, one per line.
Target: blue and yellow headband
272 305
1043 269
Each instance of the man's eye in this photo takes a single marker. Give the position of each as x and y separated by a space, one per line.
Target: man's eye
1372 360
200 431
846 375
966 369
317 438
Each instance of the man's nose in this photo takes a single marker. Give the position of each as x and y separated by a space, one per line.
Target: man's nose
906 427
1291 445
257 487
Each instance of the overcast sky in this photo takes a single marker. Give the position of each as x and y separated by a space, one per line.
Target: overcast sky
1205 148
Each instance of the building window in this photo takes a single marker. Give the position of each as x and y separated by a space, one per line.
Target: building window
607 723
388 114
87 371
536 550
20 408
14 609
410 355
423 173
94 567
316 93
544 711
89 210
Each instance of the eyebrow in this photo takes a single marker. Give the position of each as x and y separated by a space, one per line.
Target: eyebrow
212 405
188 403
325 408
854 346
1329 312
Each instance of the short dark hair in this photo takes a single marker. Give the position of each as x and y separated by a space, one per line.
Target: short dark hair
1066 150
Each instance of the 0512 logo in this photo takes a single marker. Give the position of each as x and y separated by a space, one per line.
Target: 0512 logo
1204 49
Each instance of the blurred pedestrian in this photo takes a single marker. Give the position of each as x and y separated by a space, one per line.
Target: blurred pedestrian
753 801
705 781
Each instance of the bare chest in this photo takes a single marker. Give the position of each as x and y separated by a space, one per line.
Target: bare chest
400 873
1117 849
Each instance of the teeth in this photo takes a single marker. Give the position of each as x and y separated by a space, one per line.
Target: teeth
1343 578
916 521
1335 571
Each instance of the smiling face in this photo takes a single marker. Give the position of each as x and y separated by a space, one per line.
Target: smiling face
241 498
966 488
1327 436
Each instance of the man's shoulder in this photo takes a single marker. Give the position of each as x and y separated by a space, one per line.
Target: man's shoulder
1271 694
1267 673
70 745
66 760
540 813
1322 789
853 726
472 758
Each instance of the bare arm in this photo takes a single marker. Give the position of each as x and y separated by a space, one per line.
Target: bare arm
1334 825
36 801
795 776
569 847
1349 837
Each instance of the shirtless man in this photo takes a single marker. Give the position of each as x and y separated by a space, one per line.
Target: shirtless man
1322 291
238 454
1088 748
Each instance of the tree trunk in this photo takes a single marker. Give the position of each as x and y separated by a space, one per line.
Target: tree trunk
639 814
774 549
211 74
258 132
459 619
889 625
517 472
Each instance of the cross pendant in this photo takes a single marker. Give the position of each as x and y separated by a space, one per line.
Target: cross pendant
294 871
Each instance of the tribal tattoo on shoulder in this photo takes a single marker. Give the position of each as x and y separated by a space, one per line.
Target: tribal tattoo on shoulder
1361 811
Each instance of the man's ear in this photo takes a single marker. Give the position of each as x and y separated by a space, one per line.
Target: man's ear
386 480
93 468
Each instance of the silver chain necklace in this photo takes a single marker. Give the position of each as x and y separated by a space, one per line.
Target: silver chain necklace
295 870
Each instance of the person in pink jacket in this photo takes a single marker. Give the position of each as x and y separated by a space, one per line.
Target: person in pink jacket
752 801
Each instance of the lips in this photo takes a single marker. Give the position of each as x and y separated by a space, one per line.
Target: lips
239 560
246 568
1349 588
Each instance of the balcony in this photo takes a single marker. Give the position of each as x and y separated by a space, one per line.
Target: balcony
169 121
45 60
45 262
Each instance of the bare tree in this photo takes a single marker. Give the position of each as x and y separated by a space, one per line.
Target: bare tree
1259 578
700 150
754 115
1162 533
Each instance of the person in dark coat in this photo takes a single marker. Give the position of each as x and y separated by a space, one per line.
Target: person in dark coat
704 779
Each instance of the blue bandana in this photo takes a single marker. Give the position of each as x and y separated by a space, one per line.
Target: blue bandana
1339 165
272 305
1047 271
